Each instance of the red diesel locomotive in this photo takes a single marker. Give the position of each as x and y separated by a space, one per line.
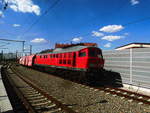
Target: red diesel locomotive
77 58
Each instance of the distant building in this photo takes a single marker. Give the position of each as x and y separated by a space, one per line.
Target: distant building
133 45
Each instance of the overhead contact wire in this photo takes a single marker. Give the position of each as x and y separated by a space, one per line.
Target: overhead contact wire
35 22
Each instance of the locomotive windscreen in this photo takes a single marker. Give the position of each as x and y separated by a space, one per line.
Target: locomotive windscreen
94 52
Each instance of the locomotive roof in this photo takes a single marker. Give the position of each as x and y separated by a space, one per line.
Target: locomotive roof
69 49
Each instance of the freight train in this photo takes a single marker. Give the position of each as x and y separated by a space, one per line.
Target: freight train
80 59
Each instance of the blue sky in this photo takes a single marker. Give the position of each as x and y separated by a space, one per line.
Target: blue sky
104 22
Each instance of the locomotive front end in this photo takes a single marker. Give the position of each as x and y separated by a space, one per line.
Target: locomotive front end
95 59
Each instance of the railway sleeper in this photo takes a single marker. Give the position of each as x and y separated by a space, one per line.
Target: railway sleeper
28 90
33 95
49 106
40 104
36 97
46 107
38 100
30 93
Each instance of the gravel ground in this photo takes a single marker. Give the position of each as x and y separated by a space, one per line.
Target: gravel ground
81 98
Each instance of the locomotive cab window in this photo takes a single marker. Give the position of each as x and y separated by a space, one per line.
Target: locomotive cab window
95 52
82 54
64 55
69 61
60 61
56 55
64 61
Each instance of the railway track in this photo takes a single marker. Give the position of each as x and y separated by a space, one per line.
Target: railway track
131 96
35 99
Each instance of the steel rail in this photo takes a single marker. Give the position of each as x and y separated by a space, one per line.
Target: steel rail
128 94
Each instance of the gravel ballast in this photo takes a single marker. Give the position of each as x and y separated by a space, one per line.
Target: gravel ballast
82 98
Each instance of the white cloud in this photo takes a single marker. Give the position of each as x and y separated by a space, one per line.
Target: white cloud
1 14
16 25
77 39
38 40
24 6
111 28
134 2
126 34
107 45
97 34
111 38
